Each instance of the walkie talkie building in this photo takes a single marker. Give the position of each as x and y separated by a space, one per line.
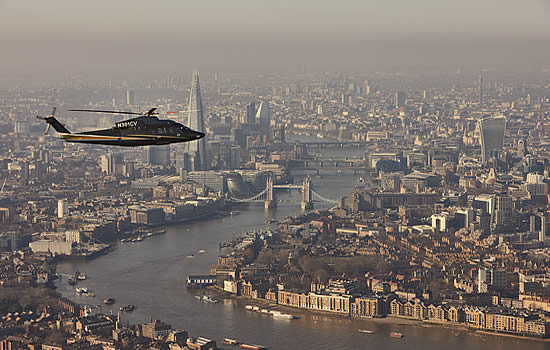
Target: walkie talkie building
492 135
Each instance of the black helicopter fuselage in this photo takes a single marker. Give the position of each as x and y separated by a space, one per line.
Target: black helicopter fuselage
140 131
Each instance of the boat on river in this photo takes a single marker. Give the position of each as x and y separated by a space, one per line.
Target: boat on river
229 341
81 291
365 331
396 335
127 308
280 315
252 347
209 299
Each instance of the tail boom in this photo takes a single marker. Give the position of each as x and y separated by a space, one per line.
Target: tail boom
57 125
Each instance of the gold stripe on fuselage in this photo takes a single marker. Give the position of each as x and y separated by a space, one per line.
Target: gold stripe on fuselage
78 137
160 136
84 137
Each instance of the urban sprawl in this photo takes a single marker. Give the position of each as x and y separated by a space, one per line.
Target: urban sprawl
447 223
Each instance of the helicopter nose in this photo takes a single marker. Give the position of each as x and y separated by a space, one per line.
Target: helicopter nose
199 135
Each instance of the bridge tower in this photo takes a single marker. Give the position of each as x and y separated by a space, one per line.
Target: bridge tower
270 199
307 202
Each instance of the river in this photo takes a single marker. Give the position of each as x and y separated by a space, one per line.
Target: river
151 275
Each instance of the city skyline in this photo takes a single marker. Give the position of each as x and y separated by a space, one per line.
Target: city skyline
341 174
414 205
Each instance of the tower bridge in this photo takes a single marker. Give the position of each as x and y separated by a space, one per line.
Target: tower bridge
309 196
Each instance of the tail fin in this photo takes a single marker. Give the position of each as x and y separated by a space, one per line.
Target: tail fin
57 125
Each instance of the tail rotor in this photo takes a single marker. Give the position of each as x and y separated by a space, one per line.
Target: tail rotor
43 118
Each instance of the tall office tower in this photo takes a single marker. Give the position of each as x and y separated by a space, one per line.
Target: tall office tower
250 113
288 91
278 134
24 170
480 90
62 208
182 158
128 170
234 157
492 135
532 223
22 127
158 155
536 187
264 117
110 163
196 149
522 148
44 156
400 98
543 226
368 88
482 280
504 209
129 97
106 164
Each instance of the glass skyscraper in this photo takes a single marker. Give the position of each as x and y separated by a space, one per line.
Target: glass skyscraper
492 135
196 149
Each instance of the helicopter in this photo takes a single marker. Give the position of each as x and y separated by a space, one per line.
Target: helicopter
144 130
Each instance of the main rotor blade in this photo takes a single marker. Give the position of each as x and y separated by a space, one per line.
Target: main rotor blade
188 111
103 111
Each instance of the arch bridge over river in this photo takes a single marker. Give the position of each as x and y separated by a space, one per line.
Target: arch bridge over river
267 195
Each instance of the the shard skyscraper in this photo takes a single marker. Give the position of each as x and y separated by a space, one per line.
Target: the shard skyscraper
196 149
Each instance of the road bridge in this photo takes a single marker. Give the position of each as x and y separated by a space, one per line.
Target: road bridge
309 195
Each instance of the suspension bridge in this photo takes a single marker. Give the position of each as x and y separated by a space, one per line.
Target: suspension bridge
267 195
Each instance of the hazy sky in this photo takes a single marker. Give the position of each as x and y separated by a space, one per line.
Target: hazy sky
83 37
191 18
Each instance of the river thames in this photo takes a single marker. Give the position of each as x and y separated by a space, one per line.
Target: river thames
151 275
